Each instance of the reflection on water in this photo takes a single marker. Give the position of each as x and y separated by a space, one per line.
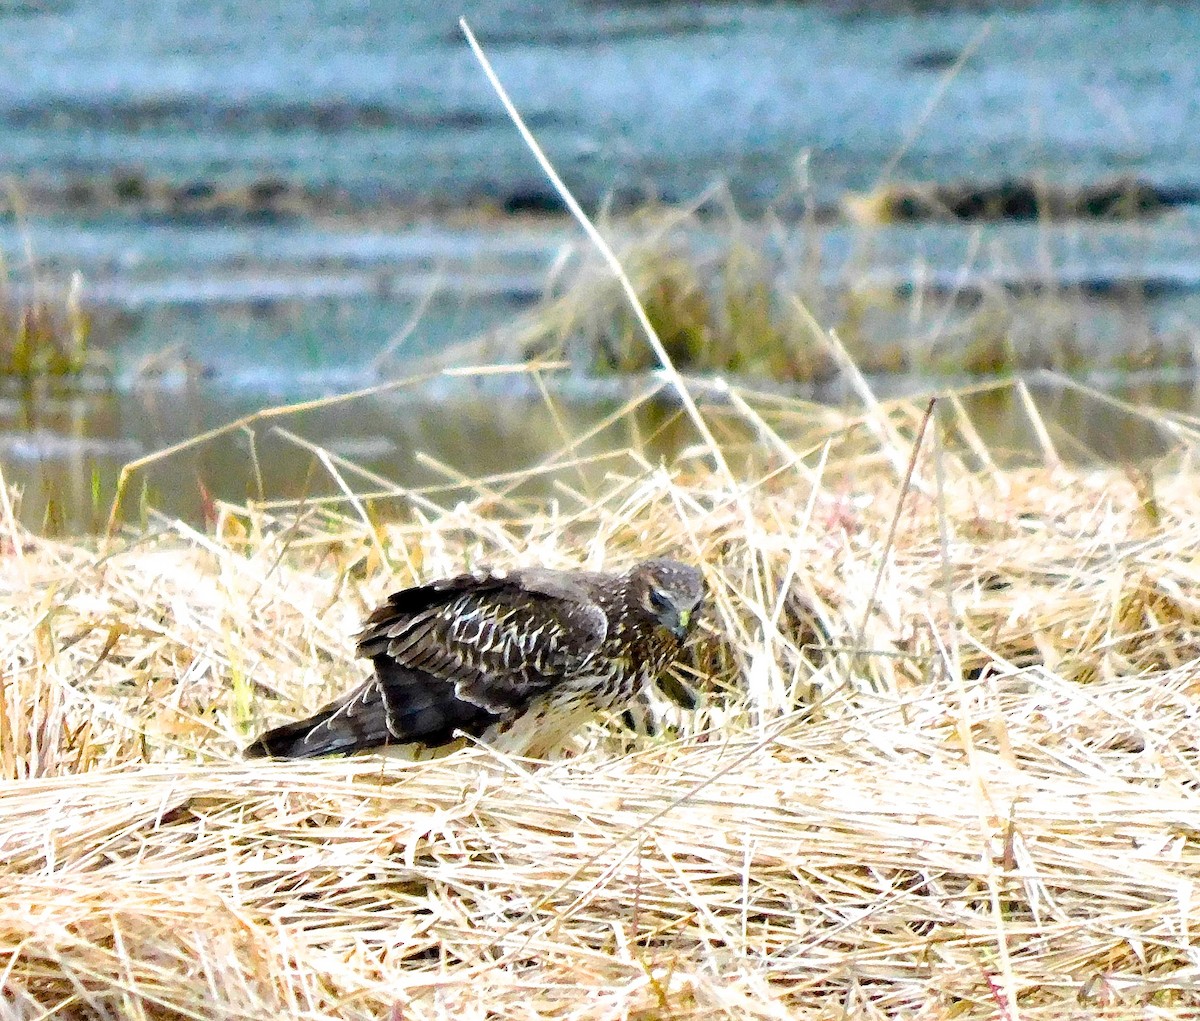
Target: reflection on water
65 453
1076 425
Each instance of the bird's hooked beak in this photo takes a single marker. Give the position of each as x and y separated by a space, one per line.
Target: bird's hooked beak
681 625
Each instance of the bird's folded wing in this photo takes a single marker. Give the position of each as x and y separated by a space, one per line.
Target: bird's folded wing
495 640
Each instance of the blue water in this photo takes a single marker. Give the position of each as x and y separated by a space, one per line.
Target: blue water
382 110
386 98
378 119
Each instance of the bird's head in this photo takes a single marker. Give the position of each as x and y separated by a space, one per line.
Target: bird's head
669 592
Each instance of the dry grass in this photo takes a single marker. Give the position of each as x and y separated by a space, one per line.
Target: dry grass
973 797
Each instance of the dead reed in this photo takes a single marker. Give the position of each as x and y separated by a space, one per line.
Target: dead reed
945 762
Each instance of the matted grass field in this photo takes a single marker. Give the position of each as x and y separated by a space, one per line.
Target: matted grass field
944 762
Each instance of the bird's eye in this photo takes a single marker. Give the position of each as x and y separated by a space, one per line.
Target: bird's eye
659 601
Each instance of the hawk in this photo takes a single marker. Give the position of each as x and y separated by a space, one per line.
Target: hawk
526 654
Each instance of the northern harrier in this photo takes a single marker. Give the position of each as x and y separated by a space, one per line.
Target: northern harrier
528 654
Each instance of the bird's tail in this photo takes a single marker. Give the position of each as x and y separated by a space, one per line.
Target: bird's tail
356 720
396 706
317 735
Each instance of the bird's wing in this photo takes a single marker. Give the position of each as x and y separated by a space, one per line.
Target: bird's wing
453 656
496 639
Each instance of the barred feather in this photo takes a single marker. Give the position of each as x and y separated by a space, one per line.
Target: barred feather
476 653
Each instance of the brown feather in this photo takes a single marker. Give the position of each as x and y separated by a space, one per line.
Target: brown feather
473 652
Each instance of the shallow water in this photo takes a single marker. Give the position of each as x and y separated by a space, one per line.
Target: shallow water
66 453
281 308
383 111
135 137
386 99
